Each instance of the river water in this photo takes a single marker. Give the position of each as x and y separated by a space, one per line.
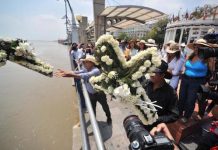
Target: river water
37 112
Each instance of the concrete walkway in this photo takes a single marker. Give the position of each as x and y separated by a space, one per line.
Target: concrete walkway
113 135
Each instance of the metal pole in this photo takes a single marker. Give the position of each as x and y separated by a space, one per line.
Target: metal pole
66 19
85 140
97 133
74 33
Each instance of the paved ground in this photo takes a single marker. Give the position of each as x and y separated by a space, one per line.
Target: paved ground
113 135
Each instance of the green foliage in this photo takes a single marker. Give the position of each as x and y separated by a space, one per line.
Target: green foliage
123 36
157 32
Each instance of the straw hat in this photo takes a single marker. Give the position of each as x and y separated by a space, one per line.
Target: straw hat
198 42
151 43
171 42
90 58
173 48
142 41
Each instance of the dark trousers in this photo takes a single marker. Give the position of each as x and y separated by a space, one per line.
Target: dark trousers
79 89
188 94
101 98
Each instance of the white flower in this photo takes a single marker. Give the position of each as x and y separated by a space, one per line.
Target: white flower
142 68
136 84
107 80
109 62
147 63
110 89
24 46
156 61
105 58
103 48
29 57
92 79
147 75
18 48
3 55
134 77
139 74
140 90
112 74
122 91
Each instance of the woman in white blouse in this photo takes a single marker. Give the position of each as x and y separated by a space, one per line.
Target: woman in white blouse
175 64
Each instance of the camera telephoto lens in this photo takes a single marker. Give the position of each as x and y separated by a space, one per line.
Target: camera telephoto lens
138 136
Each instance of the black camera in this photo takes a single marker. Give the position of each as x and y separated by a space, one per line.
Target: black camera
204 93
140 139
207 52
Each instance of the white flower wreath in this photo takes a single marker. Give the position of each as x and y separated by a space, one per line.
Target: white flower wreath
120 77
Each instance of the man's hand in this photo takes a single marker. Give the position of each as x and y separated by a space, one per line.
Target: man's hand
63 73
163 128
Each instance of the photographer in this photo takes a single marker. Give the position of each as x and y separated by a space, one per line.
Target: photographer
196 70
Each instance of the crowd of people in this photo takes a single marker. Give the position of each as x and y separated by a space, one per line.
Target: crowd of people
184 69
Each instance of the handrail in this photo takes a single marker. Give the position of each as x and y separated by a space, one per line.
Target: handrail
96 131
85 140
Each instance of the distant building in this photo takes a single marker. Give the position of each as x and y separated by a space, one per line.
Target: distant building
136 31
191 27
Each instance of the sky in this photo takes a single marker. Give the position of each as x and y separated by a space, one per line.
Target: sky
41 19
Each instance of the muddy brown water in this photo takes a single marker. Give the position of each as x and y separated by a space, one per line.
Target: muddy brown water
37 112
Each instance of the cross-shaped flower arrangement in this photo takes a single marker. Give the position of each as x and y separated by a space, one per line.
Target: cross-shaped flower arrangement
120 77
20 52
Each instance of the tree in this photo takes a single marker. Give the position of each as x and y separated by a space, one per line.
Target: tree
123 36
157 32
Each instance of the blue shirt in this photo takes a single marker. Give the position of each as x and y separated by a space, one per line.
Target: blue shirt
195 69
85 75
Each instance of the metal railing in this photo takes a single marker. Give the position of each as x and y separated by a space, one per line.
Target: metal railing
84 134
96 131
